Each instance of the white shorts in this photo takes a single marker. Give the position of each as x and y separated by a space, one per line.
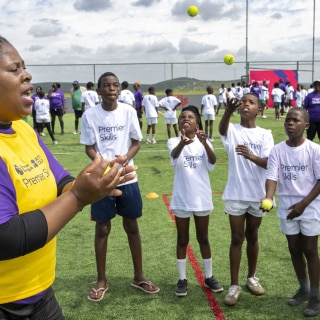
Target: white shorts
209 117
170 120
306 227
238 208
152 120
221 99
187 214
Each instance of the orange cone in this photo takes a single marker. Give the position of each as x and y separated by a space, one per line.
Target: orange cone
152 195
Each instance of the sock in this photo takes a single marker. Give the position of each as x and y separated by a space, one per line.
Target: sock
182 264
153 136
314 292
207 263
304 284
147 136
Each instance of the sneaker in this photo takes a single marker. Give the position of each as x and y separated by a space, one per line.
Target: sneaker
213 284
264 117
42 134
313 307
254 286
148 141
300 297
182 287
55 142
75 132
233 295
153 141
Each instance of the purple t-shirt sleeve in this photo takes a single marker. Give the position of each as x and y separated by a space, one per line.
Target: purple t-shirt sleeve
8 199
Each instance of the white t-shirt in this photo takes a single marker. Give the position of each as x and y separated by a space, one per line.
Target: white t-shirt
264 93
110 131
277 93
299 98
42 108
246 180
296 170
126 96
289 92
191 185
209 101
151 104
222 95
169 102
89 98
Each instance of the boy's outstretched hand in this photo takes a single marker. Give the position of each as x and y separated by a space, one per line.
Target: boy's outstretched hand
92 184
233 104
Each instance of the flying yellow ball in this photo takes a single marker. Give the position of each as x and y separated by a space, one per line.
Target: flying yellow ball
193 11
228 59
266 204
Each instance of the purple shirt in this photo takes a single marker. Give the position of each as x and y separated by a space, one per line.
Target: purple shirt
312 104
57 99
138 95
256 90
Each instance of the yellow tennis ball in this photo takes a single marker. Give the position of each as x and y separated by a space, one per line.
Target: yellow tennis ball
228 59
192 11
266 204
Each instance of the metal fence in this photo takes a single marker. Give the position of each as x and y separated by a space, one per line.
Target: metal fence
182 76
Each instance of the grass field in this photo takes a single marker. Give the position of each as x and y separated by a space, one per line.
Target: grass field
76 272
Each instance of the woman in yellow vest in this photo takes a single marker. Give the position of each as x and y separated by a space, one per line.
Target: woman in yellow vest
29 217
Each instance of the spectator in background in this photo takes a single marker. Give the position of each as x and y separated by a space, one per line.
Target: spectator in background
277 94
222 97
312 105
263 98
90 97
57 106
138 95
35 97
76 93
208 106
150 106
282 86
289 95
170 103
126 96
298 96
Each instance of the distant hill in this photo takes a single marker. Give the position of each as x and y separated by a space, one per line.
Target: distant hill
182 84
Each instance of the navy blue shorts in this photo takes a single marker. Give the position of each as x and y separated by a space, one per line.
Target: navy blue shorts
128 205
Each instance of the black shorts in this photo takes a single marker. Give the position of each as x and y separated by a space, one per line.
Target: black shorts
139 113
56 112
78 113
45 308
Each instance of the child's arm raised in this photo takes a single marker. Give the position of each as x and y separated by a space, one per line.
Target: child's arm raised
232 105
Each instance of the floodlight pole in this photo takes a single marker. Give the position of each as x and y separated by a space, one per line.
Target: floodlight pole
247 71
314 20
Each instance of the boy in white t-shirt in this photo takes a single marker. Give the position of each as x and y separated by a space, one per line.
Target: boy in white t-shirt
277 94
294 174
150 105
192 156
248 147
90 97
112 130
170 103
208 107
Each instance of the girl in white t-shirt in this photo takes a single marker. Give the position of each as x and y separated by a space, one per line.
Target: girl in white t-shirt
192 156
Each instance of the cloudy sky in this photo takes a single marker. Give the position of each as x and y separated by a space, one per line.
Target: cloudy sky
158 31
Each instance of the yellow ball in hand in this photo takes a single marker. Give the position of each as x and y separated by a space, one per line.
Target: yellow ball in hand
266 204
107 170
